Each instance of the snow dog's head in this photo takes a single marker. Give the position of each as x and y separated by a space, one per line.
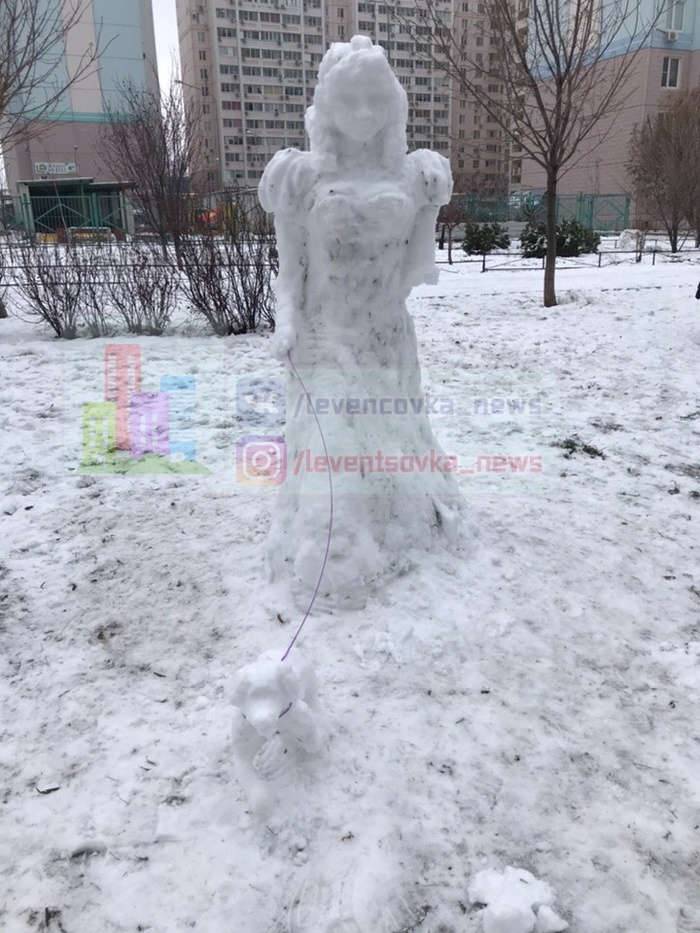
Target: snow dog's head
263 691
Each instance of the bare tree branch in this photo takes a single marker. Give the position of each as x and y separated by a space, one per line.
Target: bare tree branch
34 74
563 71
152 142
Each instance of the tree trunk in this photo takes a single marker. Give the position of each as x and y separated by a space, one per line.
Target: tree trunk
449 246
550 296
673 237
3 308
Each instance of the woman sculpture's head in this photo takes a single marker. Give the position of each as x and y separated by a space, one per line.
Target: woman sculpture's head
357 97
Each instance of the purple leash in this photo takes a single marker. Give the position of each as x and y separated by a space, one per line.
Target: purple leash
330 515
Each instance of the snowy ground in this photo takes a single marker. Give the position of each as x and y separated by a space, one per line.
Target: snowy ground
532 701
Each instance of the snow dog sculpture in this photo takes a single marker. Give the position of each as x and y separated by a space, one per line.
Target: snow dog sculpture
278 721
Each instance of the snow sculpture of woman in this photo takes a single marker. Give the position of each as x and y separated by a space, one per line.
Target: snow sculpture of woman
355 220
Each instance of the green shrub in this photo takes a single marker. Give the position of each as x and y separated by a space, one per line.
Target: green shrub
573 239
482 238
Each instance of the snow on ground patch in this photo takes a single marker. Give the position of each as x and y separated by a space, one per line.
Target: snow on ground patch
531 701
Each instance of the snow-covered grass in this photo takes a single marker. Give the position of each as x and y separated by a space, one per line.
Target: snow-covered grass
531 700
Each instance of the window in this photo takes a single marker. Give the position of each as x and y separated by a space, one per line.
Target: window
669 72
201 37
202 55
674 16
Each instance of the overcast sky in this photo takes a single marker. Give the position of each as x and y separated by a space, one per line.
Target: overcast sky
165 21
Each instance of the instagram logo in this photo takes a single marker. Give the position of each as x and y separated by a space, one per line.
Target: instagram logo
261 460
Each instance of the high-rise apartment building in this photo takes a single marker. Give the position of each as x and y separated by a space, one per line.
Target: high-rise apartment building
64 147
251 67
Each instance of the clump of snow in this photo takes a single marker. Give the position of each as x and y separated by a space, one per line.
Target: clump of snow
355 220
630 240
515 902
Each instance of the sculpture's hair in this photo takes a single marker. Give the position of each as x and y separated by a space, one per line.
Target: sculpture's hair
345 61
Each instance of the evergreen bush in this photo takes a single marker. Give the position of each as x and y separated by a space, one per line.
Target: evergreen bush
573 239
482 238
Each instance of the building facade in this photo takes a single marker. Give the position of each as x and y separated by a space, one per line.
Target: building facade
251 67
62 151
669 66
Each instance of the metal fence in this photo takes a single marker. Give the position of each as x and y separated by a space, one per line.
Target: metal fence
501 261
53 214
608 212
50 215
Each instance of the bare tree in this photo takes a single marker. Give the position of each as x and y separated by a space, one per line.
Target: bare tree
33 75
152 142
450 216
663 165
559 69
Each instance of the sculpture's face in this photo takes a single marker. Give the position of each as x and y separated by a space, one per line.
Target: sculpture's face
361 108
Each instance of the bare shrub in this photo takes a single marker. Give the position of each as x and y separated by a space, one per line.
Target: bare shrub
49 286
227 279
143 288
91 265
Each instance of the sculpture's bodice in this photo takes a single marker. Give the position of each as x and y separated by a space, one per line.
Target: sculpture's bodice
349 211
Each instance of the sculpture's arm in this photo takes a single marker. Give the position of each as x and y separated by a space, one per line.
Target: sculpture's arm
432 182
284 191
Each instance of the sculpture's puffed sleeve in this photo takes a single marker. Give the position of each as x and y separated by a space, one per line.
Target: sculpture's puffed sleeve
431 180
286 182
285 190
